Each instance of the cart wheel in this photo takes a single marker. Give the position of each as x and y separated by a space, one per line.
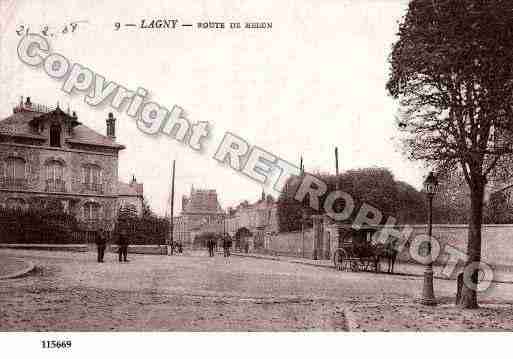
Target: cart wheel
340 259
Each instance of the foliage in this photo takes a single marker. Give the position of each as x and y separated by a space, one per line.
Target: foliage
498 209
37 226
452 71
146 209
374 186
144 229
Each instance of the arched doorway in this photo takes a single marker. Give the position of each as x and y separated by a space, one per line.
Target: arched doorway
242 239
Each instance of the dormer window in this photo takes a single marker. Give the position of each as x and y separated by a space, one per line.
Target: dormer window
55 135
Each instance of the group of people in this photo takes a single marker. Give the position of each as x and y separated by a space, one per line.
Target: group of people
176 246
212 246
102 237
123 240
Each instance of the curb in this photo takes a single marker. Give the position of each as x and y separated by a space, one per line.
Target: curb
30 267
400 274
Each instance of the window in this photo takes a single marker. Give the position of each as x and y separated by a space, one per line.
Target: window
54 171
13 173
15 168
55 135
92 177
54 176
91 211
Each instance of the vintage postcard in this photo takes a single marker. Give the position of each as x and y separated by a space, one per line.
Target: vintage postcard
255 166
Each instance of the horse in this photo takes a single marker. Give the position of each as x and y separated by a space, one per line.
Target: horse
388 251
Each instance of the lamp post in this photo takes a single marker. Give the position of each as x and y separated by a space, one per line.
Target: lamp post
428 293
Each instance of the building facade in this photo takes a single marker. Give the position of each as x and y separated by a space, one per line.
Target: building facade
48 155
253 224
201 212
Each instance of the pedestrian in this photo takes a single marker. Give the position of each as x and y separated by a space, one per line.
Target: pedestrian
226 250
123 244
180 248
211 246
228 245
101 243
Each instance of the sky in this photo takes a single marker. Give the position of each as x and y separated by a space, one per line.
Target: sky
314 81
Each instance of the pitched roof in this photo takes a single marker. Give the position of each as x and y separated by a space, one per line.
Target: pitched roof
18 124
85 135
203 201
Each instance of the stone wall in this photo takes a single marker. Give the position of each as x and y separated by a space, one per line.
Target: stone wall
292 244
497 242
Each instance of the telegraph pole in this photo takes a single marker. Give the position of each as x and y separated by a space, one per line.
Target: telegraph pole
170 246
336 163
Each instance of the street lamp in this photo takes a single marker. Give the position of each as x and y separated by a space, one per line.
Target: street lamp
428 293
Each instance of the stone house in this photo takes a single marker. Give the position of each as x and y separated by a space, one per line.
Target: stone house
48 156
201 212
256 222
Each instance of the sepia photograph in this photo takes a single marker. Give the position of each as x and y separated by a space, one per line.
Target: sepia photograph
240 172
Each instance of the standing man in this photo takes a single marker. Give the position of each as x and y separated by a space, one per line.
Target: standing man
211 247
101 243
228 245
208 243
123 244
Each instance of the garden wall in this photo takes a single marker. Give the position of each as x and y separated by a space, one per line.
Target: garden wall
497 242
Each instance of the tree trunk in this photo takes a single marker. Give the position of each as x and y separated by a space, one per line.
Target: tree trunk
468 298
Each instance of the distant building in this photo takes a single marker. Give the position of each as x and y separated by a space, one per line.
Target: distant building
201 212
47 155
257 222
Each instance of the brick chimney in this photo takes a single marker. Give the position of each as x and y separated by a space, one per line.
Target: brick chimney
111 126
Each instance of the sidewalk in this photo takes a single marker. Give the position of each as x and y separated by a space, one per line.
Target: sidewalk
501 275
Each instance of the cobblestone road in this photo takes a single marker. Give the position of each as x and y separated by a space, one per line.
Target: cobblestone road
70 291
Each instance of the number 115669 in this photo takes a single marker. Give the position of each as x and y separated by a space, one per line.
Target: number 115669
56 344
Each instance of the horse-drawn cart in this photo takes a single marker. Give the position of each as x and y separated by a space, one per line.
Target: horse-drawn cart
360 250
357 251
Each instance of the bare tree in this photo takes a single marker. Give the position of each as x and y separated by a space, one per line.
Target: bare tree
452 72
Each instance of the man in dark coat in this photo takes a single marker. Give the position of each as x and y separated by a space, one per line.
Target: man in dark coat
101 243
211 245
228 245
123 241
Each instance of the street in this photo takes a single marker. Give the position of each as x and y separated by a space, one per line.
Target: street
72 292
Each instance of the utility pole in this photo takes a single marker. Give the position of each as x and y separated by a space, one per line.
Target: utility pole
336 165
170 247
